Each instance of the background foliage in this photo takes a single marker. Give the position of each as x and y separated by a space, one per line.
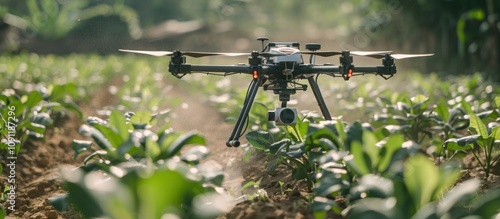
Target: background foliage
464 35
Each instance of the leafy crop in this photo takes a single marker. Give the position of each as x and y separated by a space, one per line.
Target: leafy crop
28 115
421 193
484 143
145 173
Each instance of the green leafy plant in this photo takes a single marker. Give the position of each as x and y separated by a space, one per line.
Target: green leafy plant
369 153
136 191
410 118
422 192
27 116
484 143
306 143
147 174
118 141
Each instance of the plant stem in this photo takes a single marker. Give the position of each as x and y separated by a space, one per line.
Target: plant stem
478 160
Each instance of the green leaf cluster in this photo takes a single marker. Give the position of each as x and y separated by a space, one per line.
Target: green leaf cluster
132 172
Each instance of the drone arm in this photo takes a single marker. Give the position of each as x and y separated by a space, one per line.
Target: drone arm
379 70
180 70
383 71
220 68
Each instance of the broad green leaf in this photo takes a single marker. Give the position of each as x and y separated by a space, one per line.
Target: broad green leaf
341 130
372 208
195 154
321 205
81 196
354 133
2 212
487 204
314 138
42 119
326 145
118 124
330 184
152 149
114 139
372 186
293 133
461 143
478 126
442 111
448 175
278 146
419 99
370 148
183 140
94 154
460 196
37 128
467 107
497 101
428 211
33 99
393 144
420 103
99 139
80 146
421 179
131 147
302 127
358 160
181 192
495 133
141 118
260 140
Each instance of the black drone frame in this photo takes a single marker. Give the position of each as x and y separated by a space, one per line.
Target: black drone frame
278 77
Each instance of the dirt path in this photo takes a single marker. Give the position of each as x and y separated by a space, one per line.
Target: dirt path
195 113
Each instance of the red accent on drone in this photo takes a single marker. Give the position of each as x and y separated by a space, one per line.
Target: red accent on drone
255 74
349 73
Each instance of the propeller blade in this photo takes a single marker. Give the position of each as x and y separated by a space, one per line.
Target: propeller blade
152 53
203 54
405 56
368 53
192 54
399 56
333 53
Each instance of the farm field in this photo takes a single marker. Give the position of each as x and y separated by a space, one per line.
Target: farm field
117 136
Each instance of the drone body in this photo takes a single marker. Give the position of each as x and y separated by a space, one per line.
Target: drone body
278 67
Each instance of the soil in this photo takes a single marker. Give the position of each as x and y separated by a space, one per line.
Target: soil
38 166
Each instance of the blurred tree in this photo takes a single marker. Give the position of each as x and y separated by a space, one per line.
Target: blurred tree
51 19
463 34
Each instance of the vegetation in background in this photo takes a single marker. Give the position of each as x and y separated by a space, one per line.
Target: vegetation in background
464 35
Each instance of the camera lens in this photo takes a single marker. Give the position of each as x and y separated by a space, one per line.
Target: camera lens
287 116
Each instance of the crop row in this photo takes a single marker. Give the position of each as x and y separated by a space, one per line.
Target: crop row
38 90
413 128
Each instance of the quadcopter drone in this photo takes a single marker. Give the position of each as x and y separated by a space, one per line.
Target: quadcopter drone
278 67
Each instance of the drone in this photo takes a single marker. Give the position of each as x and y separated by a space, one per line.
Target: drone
279 66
